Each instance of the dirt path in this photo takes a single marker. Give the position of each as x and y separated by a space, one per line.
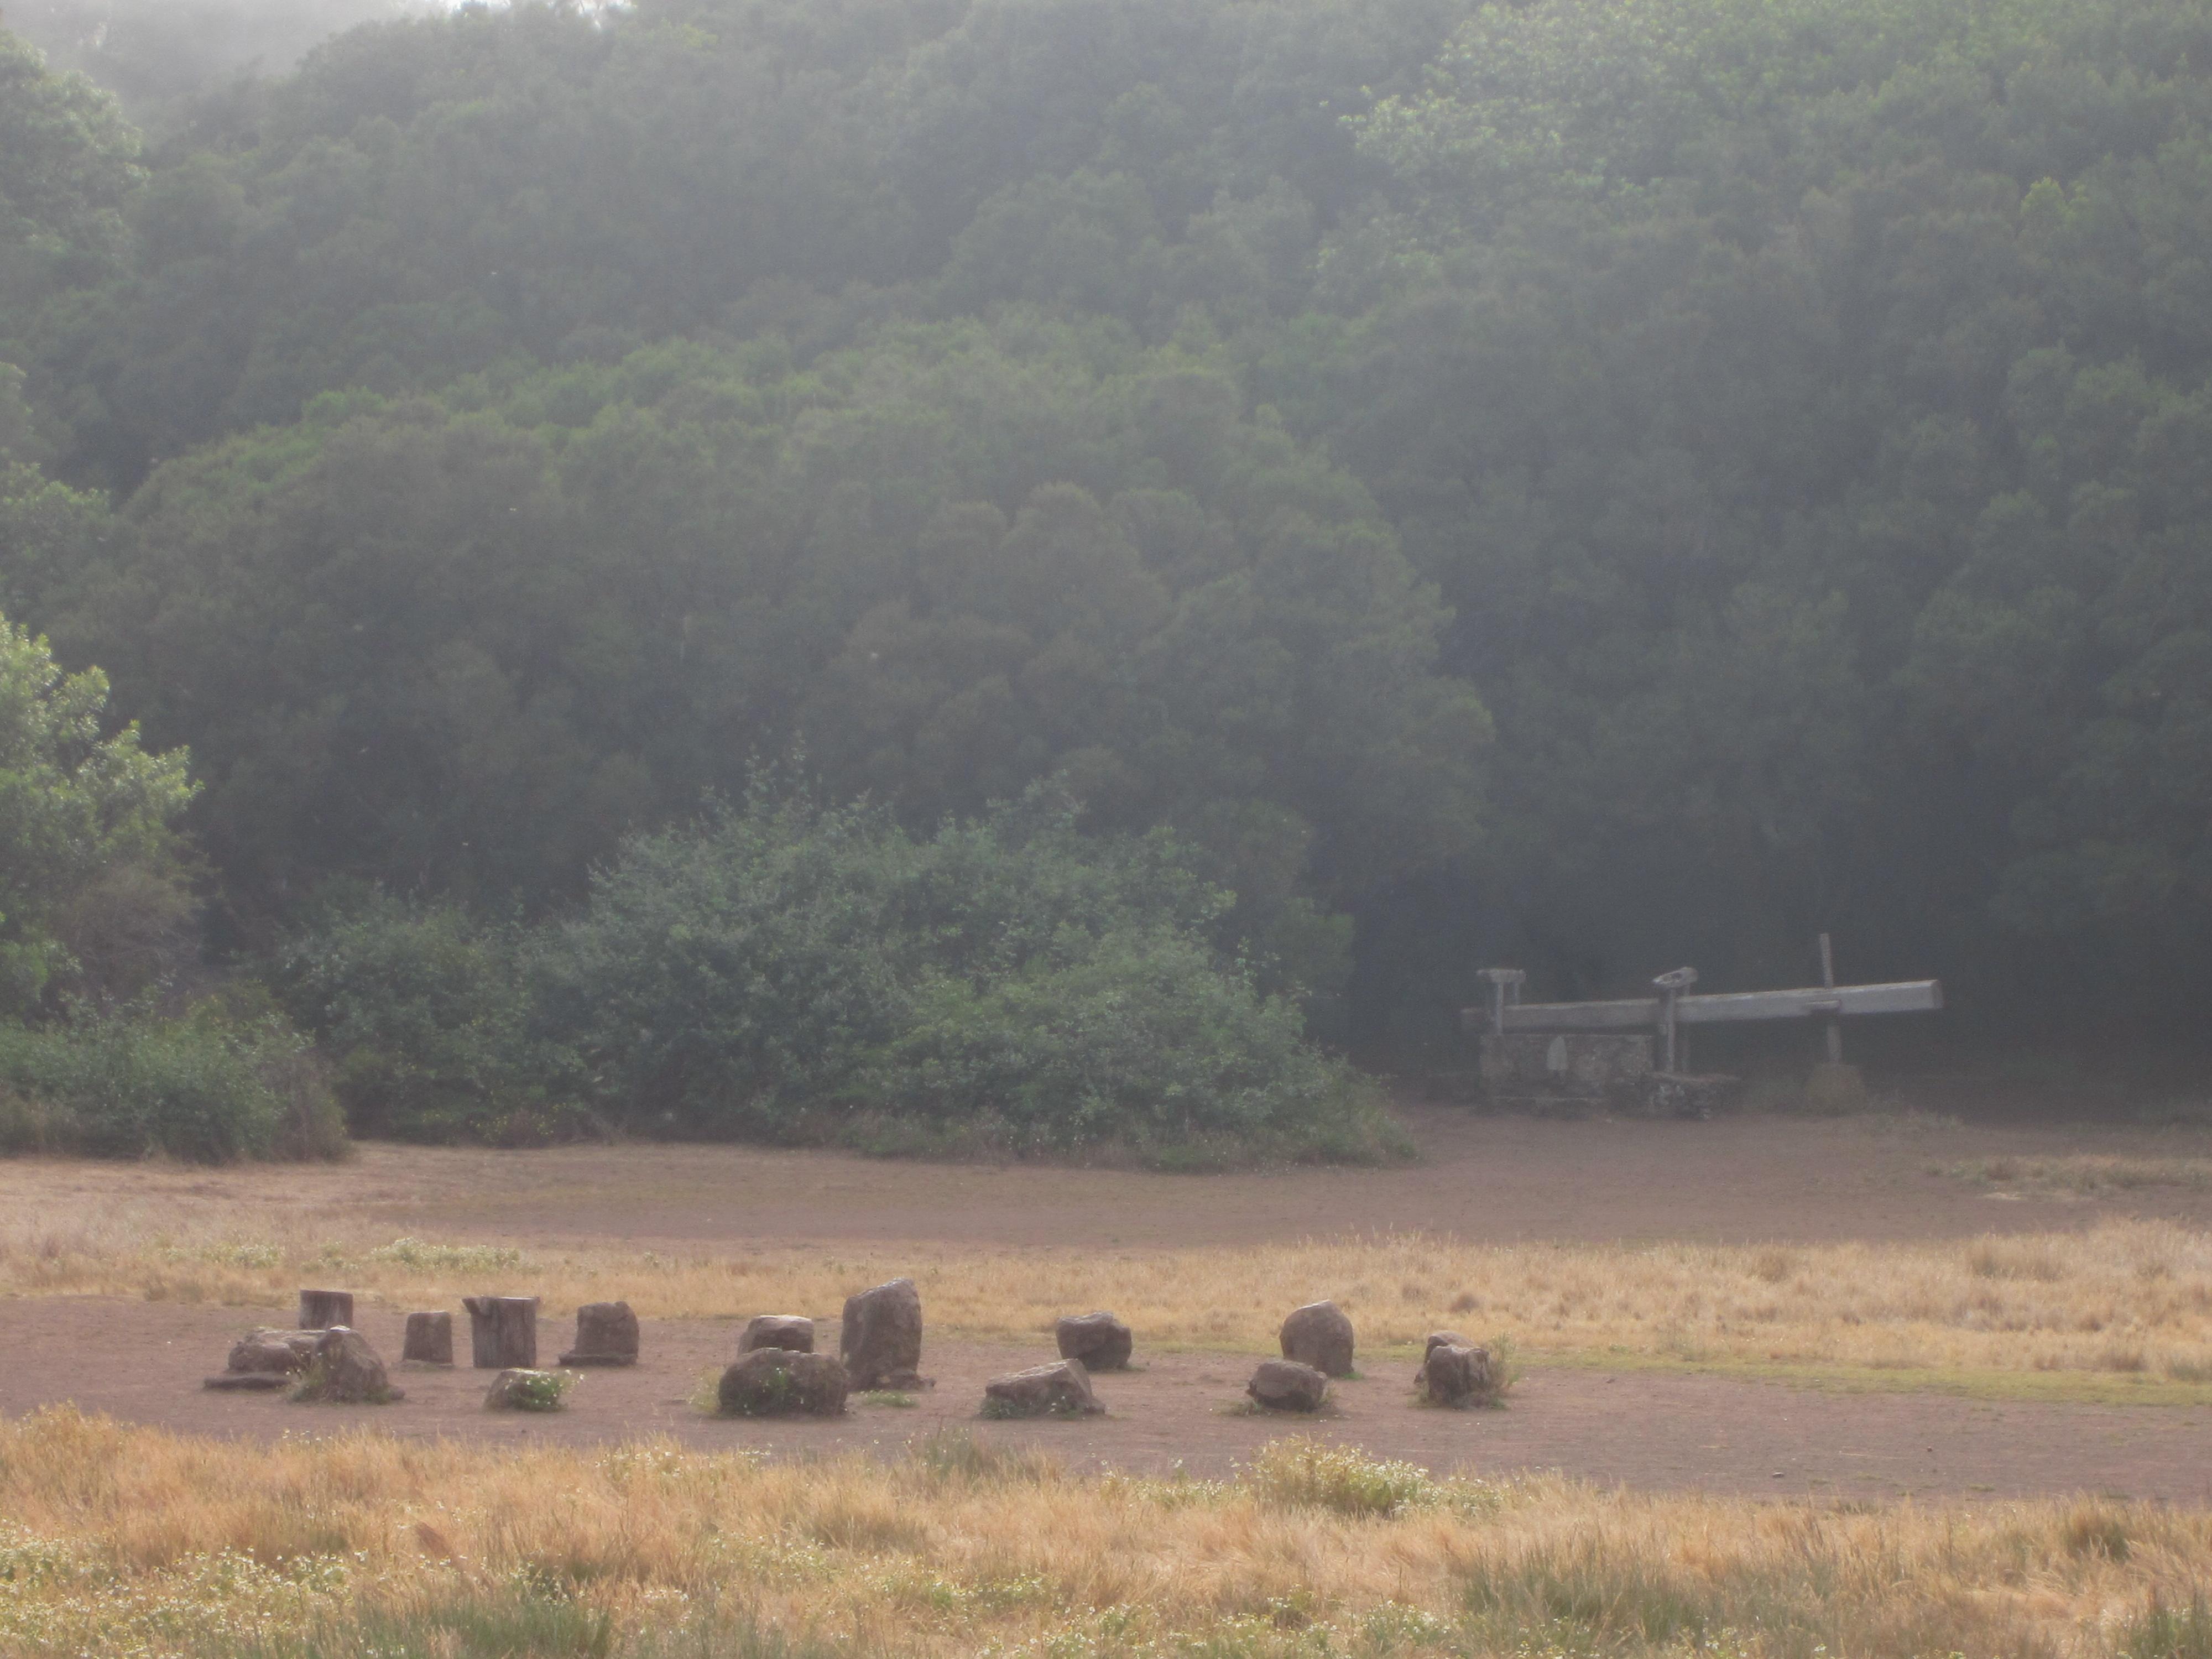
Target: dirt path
1482 1179
143 1363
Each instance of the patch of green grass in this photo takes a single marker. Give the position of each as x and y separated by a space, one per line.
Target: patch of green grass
890 1397
2160 1631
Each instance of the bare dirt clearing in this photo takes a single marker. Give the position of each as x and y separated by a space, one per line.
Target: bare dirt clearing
1642 1430
1868 1247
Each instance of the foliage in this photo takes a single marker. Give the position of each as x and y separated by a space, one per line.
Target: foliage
541 1391
785 966
1297 1469
215 1085
90 874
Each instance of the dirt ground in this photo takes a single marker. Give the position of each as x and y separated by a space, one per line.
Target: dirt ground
1483 1179
1649 1430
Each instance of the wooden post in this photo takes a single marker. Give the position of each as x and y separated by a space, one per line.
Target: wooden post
1835 1021
1671 986
503 1331
320 1310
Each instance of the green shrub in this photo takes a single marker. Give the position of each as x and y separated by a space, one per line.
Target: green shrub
791 972
425 1013
211 1086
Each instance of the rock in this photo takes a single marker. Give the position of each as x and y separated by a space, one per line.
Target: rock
793 1332
1285 1385
1100 1341
347 1372
429 1339
784 1383
1454 1374
1060 1389
273 1352
242 1381
1319 1335
503 1331
881 1339
320 1310
519 1389
1444 1339
606 1334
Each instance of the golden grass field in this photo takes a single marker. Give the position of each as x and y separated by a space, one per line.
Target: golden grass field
127 1543
124 1541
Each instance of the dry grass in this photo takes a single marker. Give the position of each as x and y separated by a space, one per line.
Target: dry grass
129 1542
2087 1174
2123 1298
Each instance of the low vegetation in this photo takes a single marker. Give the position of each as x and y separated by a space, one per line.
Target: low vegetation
132 1541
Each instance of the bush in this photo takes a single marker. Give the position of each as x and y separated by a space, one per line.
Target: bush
791 972
212 1086
429 1013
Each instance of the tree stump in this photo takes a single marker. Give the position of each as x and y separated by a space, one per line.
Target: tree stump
503 1332
320 1310
606 1334
429 1339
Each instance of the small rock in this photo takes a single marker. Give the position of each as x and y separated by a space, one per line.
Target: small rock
606 1334
782 1383
1456 1374
1320 1335
1100 1341
517 1389
793 1332
1060 1389
346 1371
429 1339
1285 1385
881 1339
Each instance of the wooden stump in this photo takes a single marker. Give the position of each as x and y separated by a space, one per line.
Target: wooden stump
320 1310
429 1339
503 1332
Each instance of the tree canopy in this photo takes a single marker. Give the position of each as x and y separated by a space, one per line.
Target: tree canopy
1589 484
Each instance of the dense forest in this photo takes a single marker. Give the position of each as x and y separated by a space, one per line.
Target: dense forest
1589 484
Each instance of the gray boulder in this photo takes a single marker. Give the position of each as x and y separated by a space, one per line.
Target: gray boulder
1060 1389
266 1359
1456 1373
1100 1341
793 1332
1285 1385
780 1382
346 1371
880 1342
606 1334
1320 1335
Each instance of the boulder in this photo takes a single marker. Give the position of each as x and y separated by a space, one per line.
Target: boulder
783 1383
320 1310
519 1389
1444 1339
503 1331
881 1339
1060 1389
793 1332
266 1359
346 1371
1319 1335
606 1334
1285 1385
1456 1374
1100 1341
429 1339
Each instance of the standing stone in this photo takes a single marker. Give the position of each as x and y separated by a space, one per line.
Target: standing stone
1454 1374
1319 1335
606 1334
266 1359
503 1331
429 1339
1060 1389
793 1332
1100 1341
1285 1385
881 1339
783 1383
320 1310
346 1371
